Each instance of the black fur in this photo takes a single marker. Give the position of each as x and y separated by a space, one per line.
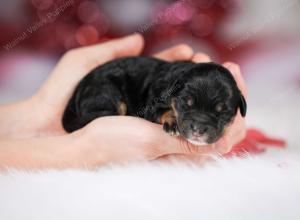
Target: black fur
204 97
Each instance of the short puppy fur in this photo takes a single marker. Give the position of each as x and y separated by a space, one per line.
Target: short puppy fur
196 101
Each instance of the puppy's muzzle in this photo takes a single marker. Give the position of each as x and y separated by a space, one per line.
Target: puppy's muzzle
199 129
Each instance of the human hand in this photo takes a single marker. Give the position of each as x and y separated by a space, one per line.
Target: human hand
97 142
50 102
106 140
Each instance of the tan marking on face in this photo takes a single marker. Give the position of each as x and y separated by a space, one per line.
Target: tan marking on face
122 108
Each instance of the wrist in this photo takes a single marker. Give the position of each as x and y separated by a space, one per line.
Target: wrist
61 152
28 118
16 120
38 153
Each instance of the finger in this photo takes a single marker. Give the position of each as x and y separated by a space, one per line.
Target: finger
223 145
179 52
236 72
235 133
238 131
226 143
131 45
200 58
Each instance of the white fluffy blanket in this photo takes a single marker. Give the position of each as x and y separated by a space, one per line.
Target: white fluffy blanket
260 187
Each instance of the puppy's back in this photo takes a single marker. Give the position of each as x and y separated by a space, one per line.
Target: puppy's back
125 79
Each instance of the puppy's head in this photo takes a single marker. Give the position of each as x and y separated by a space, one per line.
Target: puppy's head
205 103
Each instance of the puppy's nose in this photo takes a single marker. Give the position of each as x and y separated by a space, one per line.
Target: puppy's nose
198 129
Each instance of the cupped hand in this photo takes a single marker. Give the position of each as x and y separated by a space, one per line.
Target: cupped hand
37 121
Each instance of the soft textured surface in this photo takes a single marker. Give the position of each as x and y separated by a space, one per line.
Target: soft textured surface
266 187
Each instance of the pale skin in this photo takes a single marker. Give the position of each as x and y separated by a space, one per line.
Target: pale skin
32 137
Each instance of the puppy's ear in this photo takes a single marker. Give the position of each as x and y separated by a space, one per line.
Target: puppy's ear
243 105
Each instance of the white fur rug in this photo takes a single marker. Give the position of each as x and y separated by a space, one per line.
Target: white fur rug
260 187
263 187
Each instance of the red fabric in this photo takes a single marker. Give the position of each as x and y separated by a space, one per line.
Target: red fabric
254 143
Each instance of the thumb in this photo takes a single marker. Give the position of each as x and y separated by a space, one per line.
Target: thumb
131 45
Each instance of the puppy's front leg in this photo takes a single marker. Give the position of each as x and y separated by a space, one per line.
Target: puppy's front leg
168 120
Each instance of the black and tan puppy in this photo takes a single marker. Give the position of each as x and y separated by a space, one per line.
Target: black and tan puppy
196 101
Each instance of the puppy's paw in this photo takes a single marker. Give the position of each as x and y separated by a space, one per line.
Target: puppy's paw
168 120
171 128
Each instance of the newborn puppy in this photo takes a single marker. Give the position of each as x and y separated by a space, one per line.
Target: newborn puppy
196 101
